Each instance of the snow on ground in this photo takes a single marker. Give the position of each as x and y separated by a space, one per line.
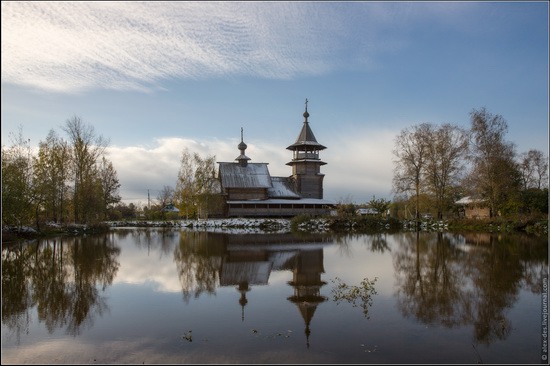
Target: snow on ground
230 225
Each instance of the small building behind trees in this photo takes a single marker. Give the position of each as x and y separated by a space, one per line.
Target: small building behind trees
170 208
473 208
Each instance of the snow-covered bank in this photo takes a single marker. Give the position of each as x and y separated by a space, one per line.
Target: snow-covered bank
230 225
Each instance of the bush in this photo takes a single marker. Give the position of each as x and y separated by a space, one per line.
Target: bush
299 219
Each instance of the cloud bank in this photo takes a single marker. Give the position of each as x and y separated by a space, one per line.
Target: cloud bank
357 169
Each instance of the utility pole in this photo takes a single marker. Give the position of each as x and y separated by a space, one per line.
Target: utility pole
148 200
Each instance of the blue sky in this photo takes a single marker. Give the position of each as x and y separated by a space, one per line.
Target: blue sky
156 77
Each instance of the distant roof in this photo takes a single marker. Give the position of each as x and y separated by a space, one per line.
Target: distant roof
468 200
253 175
170 208
366 211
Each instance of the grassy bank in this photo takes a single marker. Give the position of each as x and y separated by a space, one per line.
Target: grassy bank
536 226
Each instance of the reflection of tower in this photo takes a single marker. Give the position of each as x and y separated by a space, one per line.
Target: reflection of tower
243 289
244 268
307 284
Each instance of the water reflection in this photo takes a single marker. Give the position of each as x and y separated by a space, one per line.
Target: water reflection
61 278
449 281
470 279
208 260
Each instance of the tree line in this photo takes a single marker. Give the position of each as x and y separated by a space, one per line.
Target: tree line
67 181
435 165
72 181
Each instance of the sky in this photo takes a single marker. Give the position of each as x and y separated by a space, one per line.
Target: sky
155 78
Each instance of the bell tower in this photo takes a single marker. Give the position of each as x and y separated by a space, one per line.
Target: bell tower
306 164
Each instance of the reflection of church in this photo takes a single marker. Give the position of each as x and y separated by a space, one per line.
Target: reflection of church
249 263
308 266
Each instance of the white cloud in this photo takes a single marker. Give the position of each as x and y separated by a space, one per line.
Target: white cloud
77 46
73 46
357 168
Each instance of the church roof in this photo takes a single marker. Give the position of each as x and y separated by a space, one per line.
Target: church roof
306 139
253 273
281 188
253 175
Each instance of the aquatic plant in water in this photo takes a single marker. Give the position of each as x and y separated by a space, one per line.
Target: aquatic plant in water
356 295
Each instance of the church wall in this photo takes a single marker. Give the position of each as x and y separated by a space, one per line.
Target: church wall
247 193
305 168
310 186
276 210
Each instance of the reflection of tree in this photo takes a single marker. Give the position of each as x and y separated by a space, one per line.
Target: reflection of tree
442 281
379 242
496 272
62 275
158 238
94 262
375 242
343 242
198 260
16 288
52 284
429 283
534 259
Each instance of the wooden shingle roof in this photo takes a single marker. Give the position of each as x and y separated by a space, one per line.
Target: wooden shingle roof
253 175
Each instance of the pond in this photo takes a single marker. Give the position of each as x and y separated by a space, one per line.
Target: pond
157 295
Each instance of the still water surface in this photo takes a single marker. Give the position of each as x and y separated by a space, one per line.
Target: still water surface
177 296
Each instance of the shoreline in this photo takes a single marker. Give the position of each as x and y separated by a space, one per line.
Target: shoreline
283 225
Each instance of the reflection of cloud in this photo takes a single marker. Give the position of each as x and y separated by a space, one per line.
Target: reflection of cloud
152 266
74 46
138 351
361 262
359 166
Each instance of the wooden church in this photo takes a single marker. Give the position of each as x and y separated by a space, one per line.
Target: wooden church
248 189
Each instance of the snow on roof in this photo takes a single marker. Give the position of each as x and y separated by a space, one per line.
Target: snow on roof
469 200
170 208
253 175
281 188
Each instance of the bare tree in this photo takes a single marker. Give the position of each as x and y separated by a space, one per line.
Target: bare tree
495 174
533 167
166 196
411 152
447 147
